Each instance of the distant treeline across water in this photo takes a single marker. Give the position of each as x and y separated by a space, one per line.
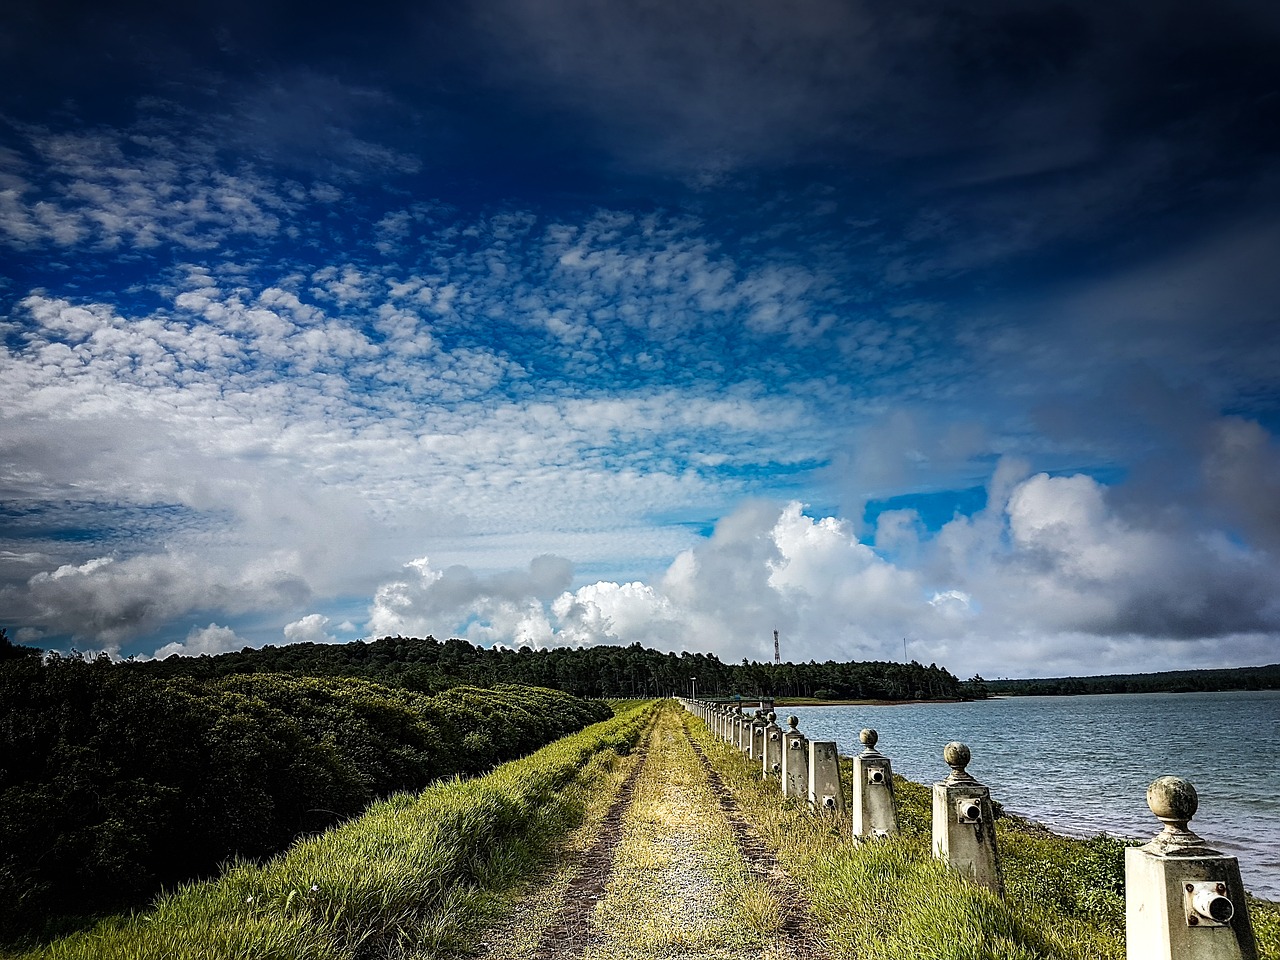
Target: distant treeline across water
1171 681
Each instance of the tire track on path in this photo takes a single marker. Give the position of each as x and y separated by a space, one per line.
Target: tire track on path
801 938
572 931
672 871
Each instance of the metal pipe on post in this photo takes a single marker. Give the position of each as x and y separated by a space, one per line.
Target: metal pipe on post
1183 899
964 834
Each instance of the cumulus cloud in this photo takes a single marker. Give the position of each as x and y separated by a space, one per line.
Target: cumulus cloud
211 640
110 601
1049 578
427 596
313 628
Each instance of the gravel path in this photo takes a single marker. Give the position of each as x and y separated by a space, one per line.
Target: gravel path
673 871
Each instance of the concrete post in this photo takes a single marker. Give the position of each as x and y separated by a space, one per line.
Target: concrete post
874 810
795 761
744 734
771 764
1183 899
964 833
756 752
824 777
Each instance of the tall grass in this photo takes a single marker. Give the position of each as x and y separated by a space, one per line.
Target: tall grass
892 901
415 876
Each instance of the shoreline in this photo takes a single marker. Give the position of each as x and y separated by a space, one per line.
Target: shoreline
809 702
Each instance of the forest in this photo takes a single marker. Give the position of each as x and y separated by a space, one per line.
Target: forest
116 782
429 665
1169 681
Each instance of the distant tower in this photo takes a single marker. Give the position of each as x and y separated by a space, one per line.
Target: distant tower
777 655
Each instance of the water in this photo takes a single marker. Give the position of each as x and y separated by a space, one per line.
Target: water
1081 765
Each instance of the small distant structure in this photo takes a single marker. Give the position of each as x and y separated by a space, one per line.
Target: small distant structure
777 654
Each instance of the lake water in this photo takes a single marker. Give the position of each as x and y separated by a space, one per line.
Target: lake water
1081 765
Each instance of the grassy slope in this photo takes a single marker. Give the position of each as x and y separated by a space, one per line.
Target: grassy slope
891 900
415 876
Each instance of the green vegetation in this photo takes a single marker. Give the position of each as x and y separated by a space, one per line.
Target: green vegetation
116 782
415 876
679 883
1171 681
891 900
428 665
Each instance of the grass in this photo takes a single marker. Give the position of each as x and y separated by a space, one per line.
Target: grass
416 876
891 900
426 876
680 884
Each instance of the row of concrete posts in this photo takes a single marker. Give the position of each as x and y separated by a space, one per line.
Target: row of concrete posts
1183 900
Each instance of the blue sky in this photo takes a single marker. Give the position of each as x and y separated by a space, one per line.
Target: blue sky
566 323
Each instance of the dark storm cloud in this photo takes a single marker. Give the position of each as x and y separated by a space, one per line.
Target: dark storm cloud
998 89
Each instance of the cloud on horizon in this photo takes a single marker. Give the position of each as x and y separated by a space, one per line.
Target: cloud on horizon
1049 565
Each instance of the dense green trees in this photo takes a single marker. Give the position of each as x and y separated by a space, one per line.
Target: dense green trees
116 781
1170 681
603 671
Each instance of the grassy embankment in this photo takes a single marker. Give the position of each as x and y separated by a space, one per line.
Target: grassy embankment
892 901
415 876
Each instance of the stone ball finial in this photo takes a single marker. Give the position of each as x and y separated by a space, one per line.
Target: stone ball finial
957 756
1173 800
793 722
772 717
869 738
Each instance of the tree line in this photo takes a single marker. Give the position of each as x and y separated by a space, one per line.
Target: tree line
427 664
1169 681
117 781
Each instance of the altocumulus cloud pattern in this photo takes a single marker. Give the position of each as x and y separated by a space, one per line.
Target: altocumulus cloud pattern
560 323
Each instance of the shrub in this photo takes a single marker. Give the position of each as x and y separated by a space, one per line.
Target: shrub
115 783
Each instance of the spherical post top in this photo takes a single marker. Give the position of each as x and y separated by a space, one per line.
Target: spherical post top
793 722
869 738
1173 800
772 716
957 755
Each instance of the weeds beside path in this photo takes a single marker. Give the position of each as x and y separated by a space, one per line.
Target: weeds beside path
669 870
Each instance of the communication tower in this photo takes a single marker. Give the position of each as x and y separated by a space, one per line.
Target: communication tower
777 655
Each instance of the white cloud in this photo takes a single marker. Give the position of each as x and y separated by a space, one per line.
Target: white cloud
113 190
211 640
1048 579
312 628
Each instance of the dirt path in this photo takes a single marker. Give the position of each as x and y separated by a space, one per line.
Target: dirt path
671 870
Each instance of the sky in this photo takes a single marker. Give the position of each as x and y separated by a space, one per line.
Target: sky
946 331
